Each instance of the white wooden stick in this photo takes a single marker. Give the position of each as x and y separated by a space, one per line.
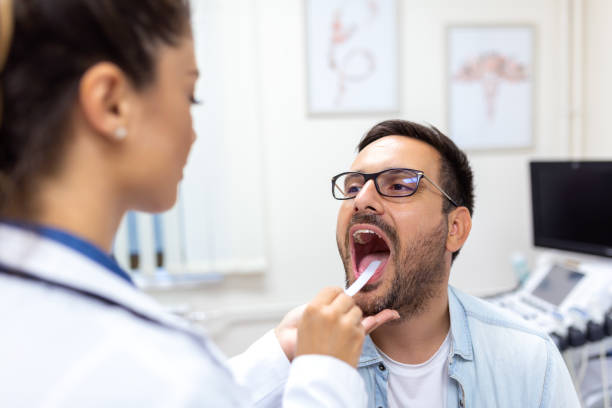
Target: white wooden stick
362 279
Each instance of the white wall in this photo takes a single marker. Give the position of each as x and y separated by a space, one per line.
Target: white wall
598 79
300 217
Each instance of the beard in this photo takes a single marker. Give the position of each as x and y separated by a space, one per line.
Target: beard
419 270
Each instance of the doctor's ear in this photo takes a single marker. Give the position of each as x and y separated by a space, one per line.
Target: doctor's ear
104 100
459 226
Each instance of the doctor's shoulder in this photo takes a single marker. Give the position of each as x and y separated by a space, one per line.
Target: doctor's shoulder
101 352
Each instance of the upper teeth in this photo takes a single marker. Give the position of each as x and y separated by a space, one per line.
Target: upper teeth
361 237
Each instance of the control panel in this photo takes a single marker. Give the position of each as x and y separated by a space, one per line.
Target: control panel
571 300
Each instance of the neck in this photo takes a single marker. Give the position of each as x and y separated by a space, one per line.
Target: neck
90 216
81 198
415 340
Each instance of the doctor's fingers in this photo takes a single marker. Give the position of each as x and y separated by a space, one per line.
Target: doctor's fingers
371 323
325 296
342 303
353 317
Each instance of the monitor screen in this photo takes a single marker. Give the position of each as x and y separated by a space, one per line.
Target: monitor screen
572 206
557 284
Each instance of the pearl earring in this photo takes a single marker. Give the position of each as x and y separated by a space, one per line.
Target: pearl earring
121 133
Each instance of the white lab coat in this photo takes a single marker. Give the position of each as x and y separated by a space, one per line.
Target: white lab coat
75 335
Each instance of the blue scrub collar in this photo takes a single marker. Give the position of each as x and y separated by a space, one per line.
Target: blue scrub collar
80 245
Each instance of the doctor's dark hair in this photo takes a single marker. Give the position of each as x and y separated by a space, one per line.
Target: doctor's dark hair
53 44
455 172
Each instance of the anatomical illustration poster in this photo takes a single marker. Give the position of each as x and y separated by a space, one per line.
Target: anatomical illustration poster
490 86
352 60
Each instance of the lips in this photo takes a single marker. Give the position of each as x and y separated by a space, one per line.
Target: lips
368 243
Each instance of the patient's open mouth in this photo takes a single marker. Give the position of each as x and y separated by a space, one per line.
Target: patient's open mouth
368 243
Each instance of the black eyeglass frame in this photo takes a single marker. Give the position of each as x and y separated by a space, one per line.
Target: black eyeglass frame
374 176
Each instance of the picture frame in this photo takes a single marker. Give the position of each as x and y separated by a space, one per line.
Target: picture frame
490 73
352 56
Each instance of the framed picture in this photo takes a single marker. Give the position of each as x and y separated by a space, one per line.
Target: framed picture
490 71
352 56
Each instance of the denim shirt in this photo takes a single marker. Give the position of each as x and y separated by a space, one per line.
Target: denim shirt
495 360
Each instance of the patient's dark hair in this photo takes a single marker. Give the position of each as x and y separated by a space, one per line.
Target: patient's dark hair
455 172
54 43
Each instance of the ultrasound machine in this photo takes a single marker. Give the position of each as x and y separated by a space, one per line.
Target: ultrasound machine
569 292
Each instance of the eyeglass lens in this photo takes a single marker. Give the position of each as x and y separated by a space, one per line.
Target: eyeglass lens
392 183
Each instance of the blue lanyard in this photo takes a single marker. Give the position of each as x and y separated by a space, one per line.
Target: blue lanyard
80 245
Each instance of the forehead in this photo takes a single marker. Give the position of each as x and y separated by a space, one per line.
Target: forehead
186 52
179 57
397 151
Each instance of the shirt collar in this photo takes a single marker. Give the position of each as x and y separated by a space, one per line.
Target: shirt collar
460 333
369 354
80 245
462 340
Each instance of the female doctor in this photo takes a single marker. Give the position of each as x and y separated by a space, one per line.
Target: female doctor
96 99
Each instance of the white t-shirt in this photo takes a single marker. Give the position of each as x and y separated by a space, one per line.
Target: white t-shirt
419 385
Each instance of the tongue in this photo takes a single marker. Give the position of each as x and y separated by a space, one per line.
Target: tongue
363 279
369 258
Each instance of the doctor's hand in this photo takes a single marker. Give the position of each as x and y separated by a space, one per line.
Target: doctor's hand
371 323
331 325
286 331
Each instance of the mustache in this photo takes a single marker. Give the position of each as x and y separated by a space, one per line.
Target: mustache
373 219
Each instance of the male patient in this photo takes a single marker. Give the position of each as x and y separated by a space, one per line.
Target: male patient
408 201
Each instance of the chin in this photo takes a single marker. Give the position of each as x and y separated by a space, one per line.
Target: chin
371 302
166 204
159 203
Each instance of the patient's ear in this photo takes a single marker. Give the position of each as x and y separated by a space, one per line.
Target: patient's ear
459 226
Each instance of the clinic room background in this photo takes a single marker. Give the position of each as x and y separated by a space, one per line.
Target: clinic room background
253 234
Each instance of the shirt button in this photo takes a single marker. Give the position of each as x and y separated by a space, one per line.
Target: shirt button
381 367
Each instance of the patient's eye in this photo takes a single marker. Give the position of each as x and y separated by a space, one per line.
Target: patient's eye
353 189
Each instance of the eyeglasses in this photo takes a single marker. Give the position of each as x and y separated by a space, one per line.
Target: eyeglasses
389 183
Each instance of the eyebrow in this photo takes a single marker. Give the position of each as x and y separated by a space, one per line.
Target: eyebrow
385 169
194 72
